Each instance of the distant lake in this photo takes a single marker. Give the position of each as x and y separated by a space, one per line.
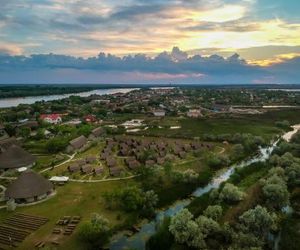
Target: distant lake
15 101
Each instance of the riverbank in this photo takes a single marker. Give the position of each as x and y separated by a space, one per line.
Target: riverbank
13 102
288 136
139 239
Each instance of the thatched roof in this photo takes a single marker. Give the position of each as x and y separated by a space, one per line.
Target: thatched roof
6 143
97 131
78 142
15 157
86 169
74 167
28 185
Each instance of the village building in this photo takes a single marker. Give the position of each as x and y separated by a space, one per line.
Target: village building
51 118
3 133
74 168
90 118
159 113
96 133
86 169
16 157
194 113
29 187
7 142
98 171
77 144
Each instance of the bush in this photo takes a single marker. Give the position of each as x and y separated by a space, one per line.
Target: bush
231 193
95 233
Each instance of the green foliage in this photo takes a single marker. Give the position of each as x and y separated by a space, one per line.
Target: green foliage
218 161
182 226
94 233
283 124
275 192
56 144
132 199
213 212
24 132
162 239
257 221
230 193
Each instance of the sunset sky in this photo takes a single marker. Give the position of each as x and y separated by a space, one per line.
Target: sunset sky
144 41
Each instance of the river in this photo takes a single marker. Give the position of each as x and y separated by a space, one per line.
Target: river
13 102
139 239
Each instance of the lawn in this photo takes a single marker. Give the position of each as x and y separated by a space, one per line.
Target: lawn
72 199
261 125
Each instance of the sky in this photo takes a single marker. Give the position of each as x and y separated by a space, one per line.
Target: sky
150 41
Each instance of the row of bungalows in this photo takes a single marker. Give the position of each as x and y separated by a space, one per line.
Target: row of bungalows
80 143
132 163
85 169
114 170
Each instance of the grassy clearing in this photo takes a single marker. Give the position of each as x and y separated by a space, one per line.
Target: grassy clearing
72 199
261 125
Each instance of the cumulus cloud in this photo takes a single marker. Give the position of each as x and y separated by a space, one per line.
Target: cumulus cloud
176 65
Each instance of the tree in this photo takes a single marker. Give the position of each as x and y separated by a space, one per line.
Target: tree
238 151
213 212
131 198
56 145
183 227
277 196
287 160
257 221
95 233
190 176
275 192
207 226
293 174
150 202
231 193
217 161
245 241
24 132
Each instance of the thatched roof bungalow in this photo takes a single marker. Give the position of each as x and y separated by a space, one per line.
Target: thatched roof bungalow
16 157
77 144
29 187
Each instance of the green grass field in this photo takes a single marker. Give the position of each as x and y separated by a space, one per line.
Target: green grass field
261 125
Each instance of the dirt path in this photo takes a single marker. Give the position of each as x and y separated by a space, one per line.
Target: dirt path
60 164
104 180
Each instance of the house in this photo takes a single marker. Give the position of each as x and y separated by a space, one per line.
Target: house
16 157
116 171
111 162
31 124
90 118
74 168
3 134
97 171
96 133
51 118
29 187
86 169
159 113
7 142
77 144
194 113
90 159
149 163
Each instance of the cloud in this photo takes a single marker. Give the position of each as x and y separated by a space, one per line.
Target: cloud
175 66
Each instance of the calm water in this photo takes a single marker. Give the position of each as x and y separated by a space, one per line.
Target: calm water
138 240
13 102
